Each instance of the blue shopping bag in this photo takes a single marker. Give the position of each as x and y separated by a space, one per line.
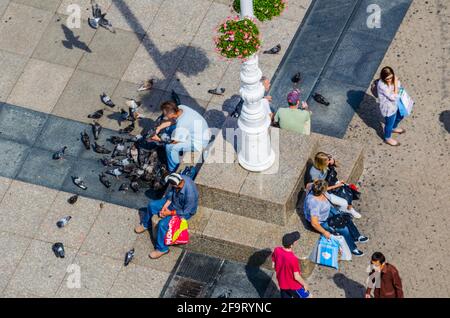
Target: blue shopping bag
405 103
328 252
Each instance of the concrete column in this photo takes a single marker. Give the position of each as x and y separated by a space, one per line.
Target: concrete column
255 151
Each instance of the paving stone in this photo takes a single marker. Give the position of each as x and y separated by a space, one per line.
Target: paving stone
50 5
42 170
23 208
180 28
12 157
82 96
21 124
40 272
97 277
12 66
38 92
135 16
3 5
11 293
156 58
111 53
85 6
296 10
143 246
13 247
4 185
138 282
112 234
63 45
83 213
15 37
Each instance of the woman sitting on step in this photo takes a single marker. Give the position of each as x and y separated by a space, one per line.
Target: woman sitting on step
323 168
326 220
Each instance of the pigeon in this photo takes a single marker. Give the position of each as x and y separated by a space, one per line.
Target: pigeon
134 186
119 150
61 223
296 78
86 141
127 129
128 257
116 140
104 180
134 153
176 98
73 199
320 99
135 138
96 115
147 85
59 154
107 100
101 149
133 106
99 18
123 114
237 111
107 162
79 183
58 249
96 129
217 91
274 50
115 172
123 187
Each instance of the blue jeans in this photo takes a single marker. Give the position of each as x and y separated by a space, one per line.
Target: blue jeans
154 207
350 232
391 123
173 154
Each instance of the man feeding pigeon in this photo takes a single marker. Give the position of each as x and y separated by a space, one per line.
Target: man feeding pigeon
181 200
294 118
191 132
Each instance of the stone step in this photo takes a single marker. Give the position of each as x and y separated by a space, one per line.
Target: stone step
229 236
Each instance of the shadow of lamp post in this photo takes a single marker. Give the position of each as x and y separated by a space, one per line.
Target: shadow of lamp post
254 150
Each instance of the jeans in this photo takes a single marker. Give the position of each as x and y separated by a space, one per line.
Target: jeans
154 207
391 123
173 154
350 232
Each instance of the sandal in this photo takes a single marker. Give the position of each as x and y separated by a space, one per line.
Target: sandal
392 145
399 132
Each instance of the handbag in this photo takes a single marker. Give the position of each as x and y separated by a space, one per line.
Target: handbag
331 177
374 88
177 232
345 254
327 252
405 103
355 192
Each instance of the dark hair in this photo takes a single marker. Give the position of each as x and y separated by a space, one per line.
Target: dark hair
169 107
378 256
386 72
319 187
292 104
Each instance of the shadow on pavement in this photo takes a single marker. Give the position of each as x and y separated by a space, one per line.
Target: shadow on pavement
369 112
260 280
444 118
73 41
351 288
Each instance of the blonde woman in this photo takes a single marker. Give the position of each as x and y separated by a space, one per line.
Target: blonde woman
323 165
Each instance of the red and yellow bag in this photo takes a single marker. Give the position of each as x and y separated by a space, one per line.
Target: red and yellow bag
177 232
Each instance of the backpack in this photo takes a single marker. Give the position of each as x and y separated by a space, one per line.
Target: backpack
374 88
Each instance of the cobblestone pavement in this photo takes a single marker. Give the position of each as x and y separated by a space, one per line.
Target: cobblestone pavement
405 203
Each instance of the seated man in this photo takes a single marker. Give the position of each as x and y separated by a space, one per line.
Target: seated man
293 118
191 132
318 211
181 199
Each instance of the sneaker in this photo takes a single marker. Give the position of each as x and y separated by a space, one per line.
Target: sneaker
357 252
363 239
355 214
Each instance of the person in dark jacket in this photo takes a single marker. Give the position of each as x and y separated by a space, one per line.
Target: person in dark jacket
181 200
385 278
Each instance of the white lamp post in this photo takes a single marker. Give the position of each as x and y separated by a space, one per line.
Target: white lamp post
255 151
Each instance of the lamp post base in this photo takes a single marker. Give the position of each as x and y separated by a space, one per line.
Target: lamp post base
260 166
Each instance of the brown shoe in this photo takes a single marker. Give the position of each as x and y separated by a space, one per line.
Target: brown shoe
139 229
157 254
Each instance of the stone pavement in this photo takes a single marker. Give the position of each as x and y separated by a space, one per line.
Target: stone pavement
50 68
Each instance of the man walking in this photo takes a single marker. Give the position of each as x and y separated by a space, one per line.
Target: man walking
287 269
181 200
385 278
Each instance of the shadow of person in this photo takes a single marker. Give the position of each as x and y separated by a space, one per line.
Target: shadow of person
260 280
444 118
73 41
351 288
368 111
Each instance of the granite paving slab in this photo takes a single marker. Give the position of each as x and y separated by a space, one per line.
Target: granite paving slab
12 66
11 157
4 185
3 5
85 6
63 45
50 5
14 247
15 38
39 92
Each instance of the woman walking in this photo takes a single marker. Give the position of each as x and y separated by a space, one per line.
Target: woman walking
388 93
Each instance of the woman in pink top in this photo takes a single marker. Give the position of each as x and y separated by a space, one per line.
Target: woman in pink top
287 269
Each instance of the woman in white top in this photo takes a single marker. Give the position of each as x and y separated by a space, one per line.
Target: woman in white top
388 94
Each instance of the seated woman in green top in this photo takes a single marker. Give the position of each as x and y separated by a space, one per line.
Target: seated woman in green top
294 118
